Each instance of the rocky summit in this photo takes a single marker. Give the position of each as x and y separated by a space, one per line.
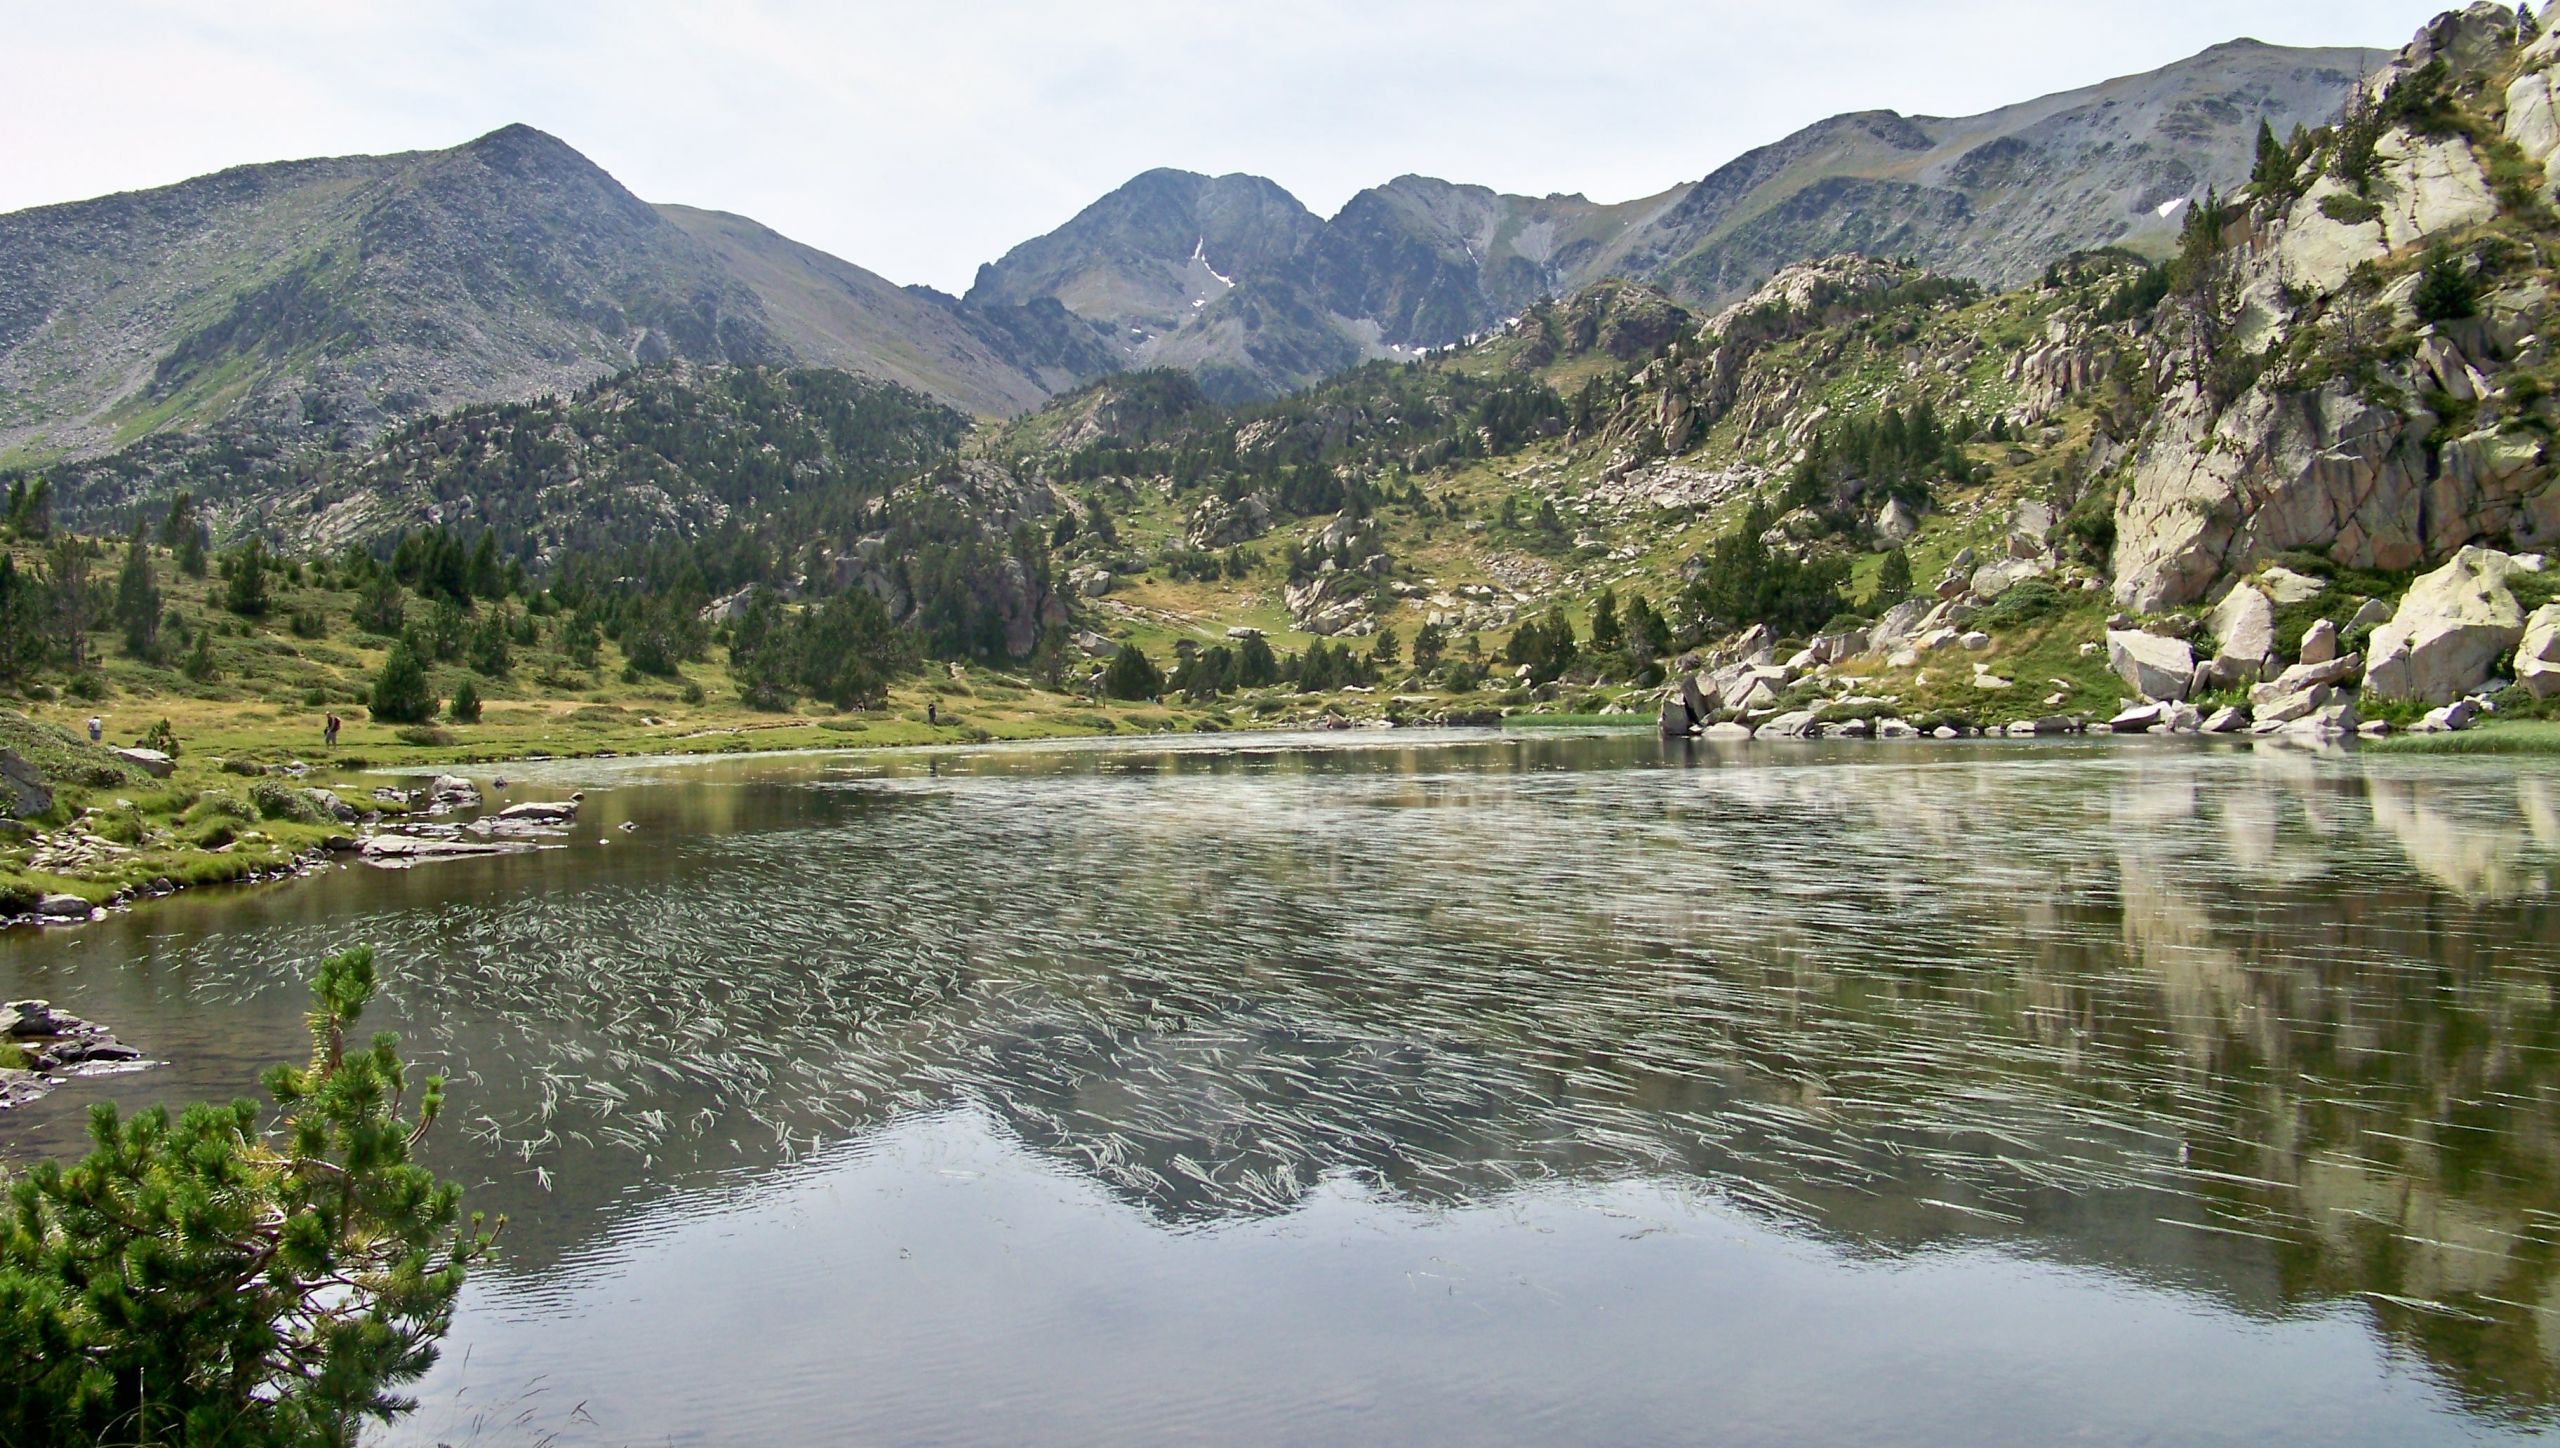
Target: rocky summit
318 301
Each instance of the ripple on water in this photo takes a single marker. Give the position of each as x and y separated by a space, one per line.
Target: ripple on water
2266 1035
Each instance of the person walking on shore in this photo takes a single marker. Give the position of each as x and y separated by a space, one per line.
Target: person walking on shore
97 729
329 733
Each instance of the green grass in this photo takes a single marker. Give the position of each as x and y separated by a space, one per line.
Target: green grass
1579 721
2511 737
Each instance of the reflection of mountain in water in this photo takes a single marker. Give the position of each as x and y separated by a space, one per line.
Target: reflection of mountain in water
2277 1028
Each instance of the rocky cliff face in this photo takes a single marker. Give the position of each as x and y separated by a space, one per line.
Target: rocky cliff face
2334 384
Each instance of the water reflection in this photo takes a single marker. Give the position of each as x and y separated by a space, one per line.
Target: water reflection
2271 1027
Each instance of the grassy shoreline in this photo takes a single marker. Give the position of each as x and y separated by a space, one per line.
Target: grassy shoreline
207 824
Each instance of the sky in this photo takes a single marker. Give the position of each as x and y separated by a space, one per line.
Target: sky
920 139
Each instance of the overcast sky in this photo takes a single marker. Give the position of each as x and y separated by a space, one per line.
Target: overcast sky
920 139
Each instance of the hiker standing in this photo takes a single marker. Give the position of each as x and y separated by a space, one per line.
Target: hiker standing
97 729
329 733
932 712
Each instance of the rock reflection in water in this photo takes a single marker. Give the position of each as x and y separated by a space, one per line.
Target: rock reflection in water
2272 1027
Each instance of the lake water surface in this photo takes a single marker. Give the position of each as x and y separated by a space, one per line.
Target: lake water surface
1458 1088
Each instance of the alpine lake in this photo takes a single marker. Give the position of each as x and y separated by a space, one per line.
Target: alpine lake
1454 1088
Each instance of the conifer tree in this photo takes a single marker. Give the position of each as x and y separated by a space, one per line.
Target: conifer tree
206 1281
1132 675
138 597
401 693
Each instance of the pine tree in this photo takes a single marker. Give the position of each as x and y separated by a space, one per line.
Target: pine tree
1386 651
1132 675
2274 173
1606 631
1430 645
1893 580
488 578
401 693
21 610
380 609
245 592
464 707
68 600
1256 666
205 1280
138 597
2447 290
199 665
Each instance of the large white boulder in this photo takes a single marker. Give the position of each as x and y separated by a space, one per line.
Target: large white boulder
2538 656
2152 666
2244 632
2457 624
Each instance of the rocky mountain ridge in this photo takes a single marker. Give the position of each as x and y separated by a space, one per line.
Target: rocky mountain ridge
315 302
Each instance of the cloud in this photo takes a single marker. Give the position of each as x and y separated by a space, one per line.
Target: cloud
922 140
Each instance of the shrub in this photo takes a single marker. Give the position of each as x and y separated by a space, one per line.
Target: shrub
2348 209
2448 289
465 708
277 800
2028 602
205 1280
401 693
1132 675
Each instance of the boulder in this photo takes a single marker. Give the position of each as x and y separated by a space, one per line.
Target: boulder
63 907
1675 720
1898 625
2331 721
150 761
2538 656
2285 708
2456 625
2303 676
2244 632
2135 719
541 812
2320 643
338 809
1897 522
2229 719
452 791
1795 724
1994 579
1975 641
1217 523
2154 667
2445 719
1896 729
2286 586
2372 613
23 792
1728 730
1699 696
